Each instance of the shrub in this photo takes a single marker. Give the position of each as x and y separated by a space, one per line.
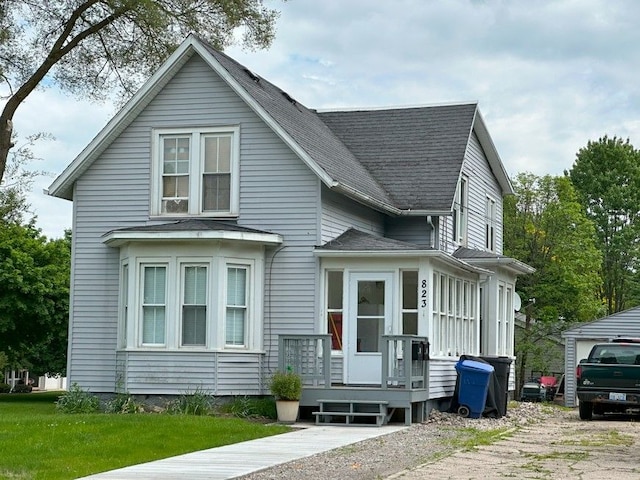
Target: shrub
77 400
5 388
22 388
286 386
251 407
124 403
199 402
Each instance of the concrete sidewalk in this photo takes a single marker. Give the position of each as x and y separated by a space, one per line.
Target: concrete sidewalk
239 459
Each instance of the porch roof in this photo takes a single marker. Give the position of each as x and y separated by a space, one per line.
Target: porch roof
190 229
486 259
355 243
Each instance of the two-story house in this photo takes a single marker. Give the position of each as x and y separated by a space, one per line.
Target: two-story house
222 230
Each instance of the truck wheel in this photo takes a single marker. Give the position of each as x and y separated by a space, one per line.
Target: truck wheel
586 410
463 411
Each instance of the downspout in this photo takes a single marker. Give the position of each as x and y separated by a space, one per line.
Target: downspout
433 240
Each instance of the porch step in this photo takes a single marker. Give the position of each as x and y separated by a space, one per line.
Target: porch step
349 412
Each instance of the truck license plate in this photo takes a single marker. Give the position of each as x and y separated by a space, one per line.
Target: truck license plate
621 397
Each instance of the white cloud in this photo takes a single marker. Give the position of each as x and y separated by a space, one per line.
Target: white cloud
549 76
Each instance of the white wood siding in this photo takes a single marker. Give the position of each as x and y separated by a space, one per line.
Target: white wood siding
340 213
175 373
482 183
409 229
278 193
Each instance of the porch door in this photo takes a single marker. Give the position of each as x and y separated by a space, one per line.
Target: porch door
370 316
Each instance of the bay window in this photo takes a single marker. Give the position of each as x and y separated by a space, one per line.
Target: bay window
190 299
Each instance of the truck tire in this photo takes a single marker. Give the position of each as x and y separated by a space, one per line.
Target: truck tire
586 410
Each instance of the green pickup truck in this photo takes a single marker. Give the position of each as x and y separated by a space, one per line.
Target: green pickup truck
609 379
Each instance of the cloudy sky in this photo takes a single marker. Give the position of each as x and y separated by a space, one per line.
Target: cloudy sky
549 75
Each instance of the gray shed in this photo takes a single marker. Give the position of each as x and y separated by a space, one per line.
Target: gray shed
580 339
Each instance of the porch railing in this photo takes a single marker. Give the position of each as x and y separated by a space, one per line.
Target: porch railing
305 355
404 359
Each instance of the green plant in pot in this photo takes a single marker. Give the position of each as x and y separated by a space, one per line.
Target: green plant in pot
286 387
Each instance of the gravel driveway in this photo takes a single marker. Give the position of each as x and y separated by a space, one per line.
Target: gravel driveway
533 441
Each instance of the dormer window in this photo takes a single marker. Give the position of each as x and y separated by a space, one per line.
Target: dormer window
460 214
196 172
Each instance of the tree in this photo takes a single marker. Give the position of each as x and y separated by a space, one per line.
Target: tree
545 226
606 175
90 47
34 299
19 181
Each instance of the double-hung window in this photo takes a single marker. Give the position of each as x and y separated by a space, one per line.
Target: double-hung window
460 214
490 225
194 305
196 172
154 304
236 306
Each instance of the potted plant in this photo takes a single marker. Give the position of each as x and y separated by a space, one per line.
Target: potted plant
286 387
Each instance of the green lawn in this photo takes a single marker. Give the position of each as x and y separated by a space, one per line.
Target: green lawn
36 442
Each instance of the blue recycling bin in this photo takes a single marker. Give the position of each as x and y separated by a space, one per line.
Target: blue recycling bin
473 382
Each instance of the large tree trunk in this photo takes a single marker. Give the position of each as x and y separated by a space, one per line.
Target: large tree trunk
6 129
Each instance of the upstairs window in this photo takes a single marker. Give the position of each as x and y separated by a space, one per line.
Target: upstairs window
196 172
490 225
460 212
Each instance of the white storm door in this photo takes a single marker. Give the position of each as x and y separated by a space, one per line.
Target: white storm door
370 316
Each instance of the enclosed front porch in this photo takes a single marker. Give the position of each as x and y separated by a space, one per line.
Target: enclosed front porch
401 394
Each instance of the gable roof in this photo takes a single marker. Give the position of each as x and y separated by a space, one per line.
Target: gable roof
415 153
327 143
620 324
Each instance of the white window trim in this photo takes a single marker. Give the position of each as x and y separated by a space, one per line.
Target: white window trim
491 213
250 327
455 320
461 211
140 303
216 297
183 263
124 305
195 171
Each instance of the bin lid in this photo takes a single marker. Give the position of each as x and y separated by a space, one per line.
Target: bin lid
473 365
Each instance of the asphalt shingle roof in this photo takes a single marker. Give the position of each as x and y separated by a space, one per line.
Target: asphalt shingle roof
416 154
408 158
306 128
356 240
191 225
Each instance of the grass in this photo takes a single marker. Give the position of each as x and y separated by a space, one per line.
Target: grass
470 438
41 444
